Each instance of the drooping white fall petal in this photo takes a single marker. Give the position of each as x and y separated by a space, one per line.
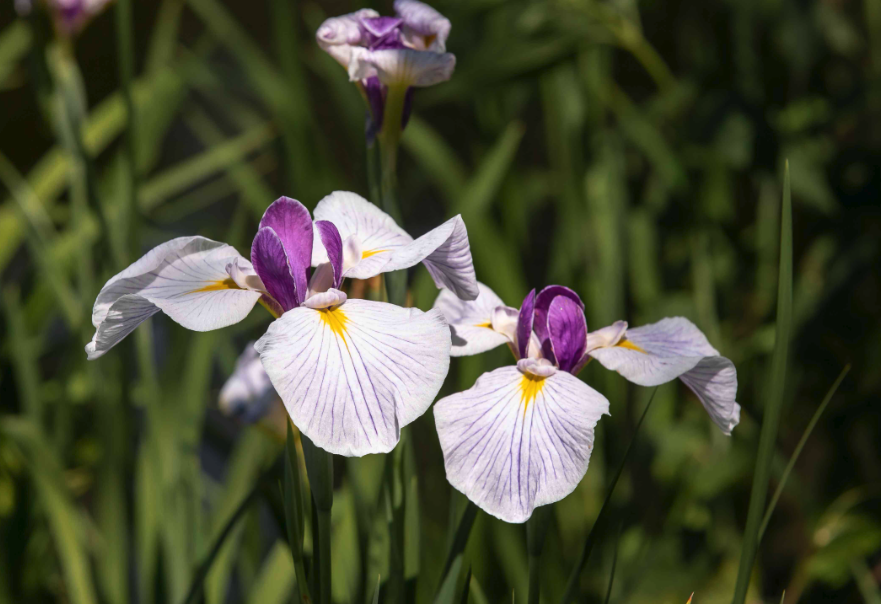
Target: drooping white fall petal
352 376
186 278
386 247
517 440
471 321
401 67
675 348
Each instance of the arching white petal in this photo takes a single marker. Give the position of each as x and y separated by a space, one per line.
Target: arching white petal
516 441
186 278
247 394
655 354
337 35
471 321
377 232
401 67
446 254
714 381
352 376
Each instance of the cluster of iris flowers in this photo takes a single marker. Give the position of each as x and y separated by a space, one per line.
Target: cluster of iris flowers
351 372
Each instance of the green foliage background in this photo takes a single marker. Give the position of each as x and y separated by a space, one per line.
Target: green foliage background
631 150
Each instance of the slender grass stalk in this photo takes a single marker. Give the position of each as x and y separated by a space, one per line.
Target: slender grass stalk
774 402
599 523
293 508
459 541
801 443
614 565
536 531
199 578
126 65
319 466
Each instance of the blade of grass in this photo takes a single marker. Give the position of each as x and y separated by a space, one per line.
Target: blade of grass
15 42
460 540
614 564
293 509
466 589
276 579
598 525
774 402
447 592
798 448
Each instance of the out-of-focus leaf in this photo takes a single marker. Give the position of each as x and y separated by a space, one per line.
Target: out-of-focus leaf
344 546
447 592
66 523
276 579
15 42
437 159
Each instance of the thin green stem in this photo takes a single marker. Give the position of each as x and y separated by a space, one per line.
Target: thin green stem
126 64
774 402
324 555
798 449
536 531
534 573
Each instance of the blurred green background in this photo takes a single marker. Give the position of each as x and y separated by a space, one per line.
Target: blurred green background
631 150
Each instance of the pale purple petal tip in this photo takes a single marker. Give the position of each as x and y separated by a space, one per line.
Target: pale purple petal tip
333 243
567 332
292 223
542 304
272 266
524 324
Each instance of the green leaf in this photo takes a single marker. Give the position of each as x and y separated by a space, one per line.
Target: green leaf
599 523
774 402
447 592
276 579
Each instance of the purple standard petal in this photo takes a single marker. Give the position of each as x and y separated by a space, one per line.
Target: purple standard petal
333 244
421 20
383 32
542 304
524 324
375 93
567 331
272 264
292 223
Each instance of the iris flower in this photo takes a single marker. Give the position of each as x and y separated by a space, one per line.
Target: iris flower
69 15
521 437
397 52
351 373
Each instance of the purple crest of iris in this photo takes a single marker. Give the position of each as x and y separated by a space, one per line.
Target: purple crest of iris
351 373
404 51
521 437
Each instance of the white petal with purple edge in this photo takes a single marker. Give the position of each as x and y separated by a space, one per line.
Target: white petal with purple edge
353 376
338 35
446 254
514 441
714 381
402 67
424 28
471 321
655 354
186 278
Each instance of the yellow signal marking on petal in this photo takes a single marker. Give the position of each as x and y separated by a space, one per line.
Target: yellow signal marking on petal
336 320
219 285
630 346
369 253
488 325
530 386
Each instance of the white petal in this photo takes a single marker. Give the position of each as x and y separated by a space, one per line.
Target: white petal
351 377
655 354
512 442
714 381
401 67
424 28
186 278
447 256
471 321
377 232
247 393
338 35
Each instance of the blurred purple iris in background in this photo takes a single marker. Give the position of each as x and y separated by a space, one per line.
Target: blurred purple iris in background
383 53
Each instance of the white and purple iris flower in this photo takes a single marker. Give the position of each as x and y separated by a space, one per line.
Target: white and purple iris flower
69 15
404 51
521 437
351 373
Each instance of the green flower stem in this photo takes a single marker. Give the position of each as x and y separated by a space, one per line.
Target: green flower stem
319 467
536 531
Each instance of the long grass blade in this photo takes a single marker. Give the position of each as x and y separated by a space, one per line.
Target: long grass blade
774 402
599 523
801 443
460 540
